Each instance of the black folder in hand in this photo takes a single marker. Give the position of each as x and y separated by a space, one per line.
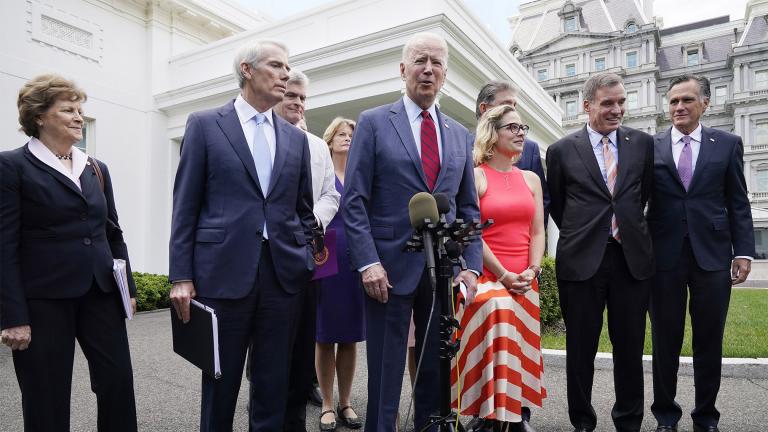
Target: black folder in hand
198 340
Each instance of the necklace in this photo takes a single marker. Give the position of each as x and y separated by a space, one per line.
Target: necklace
64 157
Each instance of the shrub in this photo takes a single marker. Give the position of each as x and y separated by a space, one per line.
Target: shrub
549 300
151 291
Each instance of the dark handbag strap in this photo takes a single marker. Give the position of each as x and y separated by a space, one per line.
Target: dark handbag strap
97 170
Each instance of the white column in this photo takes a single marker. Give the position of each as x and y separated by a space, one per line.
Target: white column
641 96
746 79
641 56
581 101
736 78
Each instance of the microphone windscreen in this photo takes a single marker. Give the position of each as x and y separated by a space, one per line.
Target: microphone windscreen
422 206
443 204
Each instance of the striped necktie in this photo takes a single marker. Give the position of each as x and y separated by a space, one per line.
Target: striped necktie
610 175
430 156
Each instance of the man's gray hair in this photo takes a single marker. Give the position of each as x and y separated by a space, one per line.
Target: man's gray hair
420 38
298 77
251 54
704 90
598 81
489 91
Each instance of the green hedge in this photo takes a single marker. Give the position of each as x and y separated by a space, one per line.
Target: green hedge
151 291
549 300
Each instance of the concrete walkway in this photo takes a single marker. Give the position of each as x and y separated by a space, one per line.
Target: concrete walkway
168 391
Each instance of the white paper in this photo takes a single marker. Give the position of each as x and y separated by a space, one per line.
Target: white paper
121 277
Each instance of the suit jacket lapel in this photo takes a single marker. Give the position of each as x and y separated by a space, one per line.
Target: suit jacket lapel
230 125
281 147
450 141
663 148
584 149
402 126
57 175
705 151
626 156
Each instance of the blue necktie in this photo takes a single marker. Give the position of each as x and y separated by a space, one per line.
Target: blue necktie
262 157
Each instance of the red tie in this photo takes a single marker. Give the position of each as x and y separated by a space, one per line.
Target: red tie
430 157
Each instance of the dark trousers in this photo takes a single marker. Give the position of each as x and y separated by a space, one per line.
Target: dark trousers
710 293
582 304
44 370
387 331
302 372
266 321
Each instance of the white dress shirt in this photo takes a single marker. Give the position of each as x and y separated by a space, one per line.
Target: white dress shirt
245 113
324 194
46 156
677 145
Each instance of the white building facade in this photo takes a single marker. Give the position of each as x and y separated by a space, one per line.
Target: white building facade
147 64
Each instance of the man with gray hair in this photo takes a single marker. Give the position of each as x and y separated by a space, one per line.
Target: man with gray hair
399 150
497 93
240 236
600 178
326 204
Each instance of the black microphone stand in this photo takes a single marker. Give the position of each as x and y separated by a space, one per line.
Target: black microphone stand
461 234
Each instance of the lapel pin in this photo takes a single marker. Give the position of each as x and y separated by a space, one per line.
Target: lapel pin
626 138
712 139
446 125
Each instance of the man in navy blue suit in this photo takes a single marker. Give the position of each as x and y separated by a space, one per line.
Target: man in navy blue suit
398 150
242 217
698 177
497 93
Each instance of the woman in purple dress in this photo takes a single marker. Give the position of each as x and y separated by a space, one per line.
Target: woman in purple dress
341 304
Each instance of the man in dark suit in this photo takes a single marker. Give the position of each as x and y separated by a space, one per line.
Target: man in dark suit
600 178
497 93
399 150
242 216
698 176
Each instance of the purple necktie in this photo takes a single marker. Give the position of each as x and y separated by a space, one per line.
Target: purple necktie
684 164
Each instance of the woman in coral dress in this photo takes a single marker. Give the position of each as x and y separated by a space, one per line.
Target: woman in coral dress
499 367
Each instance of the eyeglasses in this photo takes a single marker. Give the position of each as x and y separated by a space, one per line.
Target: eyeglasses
515 128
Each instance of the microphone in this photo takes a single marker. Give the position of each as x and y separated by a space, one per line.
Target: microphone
443 203
422 209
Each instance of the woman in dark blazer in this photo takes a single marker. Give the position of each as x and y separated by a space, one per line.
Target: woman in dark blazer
58 238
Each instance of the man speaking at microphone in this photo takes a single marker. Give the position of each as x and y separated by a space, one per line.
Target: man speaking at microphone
399 150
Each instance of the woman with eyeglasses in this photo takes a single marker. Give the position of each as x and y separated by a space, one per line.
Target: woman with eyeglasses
499 367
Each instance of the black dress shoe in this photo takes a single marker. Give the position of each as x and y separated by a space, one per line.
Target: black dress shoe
665 428
350 422
315 397
697 428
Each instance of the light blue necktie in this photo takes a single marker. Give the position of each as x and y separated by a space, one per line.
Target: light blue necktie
262 157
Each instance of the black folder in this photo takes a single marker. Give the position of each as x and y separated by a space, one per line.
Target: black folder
198 340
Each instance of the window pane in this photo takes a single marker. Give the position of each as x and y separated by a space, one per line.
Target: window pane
632 59
721 94
761 181
542 74
82 144
761 243
632 100
631 27
693 57
570 24
761 79
570 108
664 103
570 70
600 64
761 133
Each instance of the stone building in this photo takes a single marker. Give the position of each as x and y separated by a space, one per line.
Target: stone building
562 42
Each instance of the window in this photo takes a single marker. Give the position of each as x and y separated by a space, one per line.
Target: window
570 108
761 180
570 24
631 27
721 94
692 57
83 143
632 59
599 64
761 79
542 75
664 103
761 133
570 70
632 102
761 243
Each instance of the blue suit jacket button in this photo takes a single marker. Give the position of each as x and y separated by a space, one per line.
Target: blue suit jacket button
87 241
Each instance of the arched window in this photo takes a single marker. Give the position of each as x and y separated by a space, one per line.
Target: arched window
631 27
